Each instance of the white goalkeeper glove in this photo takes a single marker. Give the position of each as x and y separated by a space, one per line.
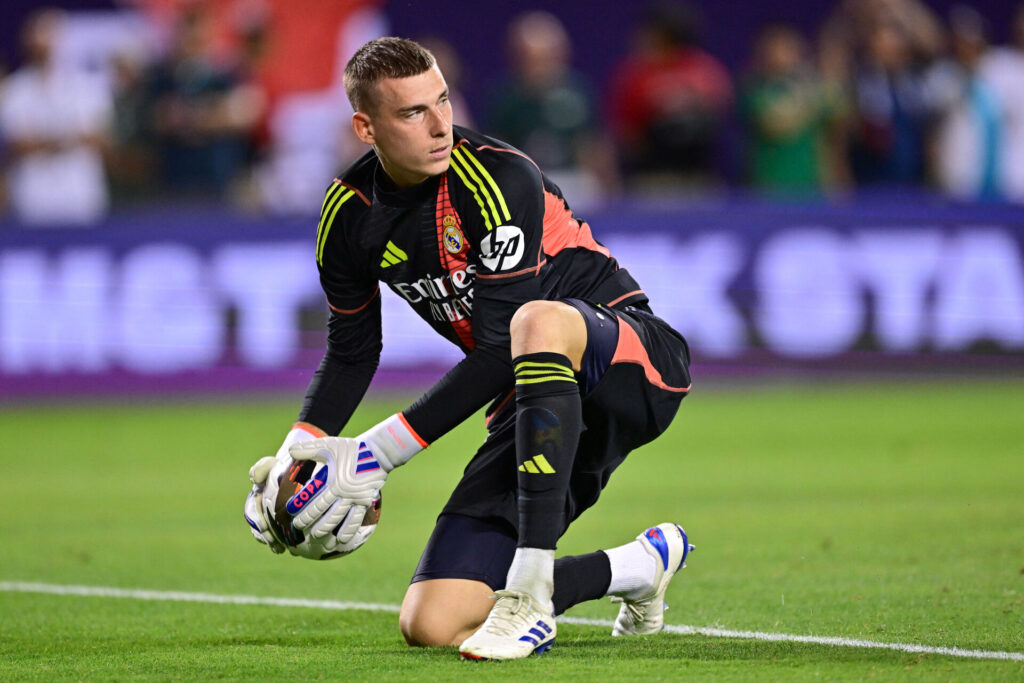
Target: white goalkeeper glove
258 474
356 470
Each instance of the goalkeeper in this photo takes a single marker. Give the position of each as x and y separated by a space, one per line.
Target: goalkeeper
558 337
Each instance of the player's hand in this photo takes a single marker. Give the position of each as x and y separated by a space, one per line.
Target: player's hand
254 504
350 480
356 470
258 473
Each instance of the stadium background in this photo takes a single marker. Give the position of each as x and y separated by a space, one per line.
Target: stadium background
861 352
877 275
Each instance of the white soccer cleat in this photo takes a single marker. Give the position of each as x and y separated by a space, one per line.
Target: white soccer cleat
516 628
668 545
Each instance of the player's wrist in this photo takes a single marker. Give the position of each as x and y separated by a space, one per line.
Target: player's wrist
393 442
300 431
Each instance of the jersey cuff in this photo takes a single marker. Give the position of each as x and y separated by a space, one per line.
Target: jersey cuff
412 432
311 429
393 442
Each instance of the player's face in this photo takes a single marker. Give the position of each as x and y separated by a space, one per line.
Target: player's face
411 126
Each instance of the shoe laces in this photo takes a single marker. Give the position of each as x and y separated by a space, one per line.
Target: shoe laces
510 614
637 609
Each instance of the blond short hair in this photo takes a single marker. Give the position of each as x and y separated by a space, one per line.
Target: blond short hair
379 59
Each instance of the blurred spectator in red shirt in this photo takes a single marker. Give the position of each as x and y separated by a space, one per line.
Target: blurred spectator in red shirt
668 97
295 51
310 121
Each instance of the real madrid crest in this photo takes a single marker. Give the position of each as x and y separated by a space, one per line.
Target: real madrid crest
452 236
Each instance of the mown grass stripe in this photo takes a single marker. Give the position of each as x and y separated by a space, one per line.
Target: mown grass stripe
178 596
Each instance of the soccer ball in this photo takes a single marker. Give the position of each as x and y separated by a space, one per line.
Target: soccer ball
286 479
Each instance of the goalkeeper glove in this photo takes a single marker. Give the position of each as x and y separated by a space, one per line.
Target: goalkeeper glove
356 470
258 473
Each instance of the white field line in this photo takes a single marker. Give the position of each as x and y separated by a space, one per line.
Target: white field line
176 596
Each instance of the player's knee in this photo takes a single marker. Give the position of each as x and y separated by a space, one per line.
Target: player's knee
539 326
421 628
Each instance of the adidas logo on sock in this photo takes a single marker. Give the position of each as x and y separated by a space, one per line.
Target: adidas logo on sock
538 464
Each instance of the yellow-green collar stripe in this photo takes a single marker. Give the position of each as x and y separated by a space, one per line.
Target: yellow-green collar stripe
457 154
327 226
494 185
476 195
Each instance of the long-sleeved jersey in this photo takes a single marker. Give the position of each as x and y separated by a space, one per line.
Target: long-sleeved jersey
465 249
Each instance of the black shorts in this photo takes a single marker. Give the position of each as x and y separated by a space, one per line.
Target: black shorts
635 372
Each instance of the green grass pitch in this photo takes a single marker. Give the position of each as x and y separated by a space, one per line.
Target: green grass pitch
889 511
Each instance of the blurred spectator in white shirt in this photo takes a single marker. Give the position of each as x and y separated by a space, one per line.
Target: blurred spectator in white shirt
971 129
54 121
1003 69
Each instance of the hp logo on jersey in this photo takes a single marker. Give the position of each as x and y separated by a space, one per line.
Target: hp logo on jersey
502 248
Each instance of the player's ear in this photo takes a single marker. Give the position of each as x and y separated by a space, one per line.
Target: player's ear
363 127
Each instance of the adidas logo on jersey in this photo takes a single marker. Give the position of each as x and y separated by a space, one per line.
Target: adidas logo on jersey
538 464
392 255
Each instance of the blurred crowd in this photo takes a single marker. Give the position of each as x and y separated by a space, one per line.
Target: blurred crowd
234 102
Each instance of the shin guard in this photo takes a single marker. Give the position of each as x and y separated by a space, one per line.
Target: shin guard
548 426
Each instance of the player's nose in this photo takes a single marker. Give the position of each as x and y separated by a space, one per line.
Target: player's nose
440 125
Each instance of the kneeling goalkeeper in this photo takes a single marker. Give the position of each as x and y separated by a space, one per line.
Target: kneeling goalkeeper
558 338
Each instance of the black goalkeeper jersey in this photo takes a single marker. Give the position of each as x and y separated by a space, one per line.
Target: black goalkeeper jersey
465 249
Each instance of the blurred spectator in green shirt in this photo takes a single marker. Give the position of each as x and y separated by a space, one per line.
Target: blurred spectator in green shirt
786 110
549 111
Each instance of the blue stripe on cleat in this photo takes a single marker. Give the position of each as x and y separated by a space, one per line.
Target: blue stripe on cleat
656 537
687 548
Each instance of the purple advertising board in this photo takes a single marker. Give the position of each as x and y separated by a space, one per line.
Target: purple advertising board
209 300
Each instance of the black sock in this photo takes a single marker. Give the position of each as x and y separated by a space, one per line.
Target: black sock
579 578
548 425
